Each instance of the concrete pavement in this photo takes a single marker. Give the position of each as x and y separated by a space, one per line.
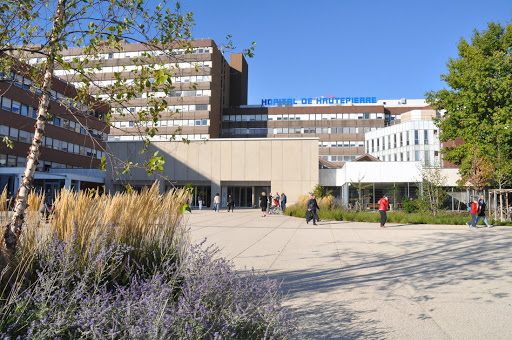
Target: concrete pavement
348 280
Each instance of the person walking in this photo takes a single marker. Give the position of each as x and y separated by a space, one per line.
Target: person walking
383 208
216 203
200 202
263 204
269 203
313 206
473 212
231 203
481 211
283 201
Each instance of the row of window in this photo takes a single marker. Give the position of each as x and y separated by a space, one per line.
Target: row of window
339 158
416 137
172 122
304 116
52 143
28 111
26 83
408 156
119 55
170 108
184 79
129 68
191 93
297 130
15 161
341 144
160 138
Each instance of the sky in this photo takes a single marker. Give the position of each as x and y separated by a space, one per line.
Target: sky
385 49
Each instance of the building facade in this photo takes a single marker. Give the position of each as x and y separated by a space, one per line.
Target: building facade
243 168
340 127
416 138
204 84
75 136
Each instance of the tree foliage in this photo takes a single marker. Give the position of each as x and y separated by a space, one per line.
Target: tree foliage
477 105
44 29
433 191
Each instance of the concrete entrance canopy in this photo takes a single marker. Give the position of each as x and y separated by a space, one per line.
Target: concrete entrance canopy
70 177
371 172
288 165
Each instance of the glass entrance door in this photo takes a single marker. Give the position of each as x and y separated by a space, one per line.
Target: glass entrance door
242 196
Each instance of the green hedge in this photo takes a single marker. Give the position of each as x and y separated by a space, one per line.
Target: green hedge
338 214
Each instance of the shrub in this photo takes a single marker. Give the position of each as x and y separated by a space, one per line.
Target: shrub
199 297
410 206
118 267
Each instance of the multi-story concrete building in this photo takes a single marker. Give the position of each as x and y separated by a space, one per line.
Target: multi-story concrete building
340 126
416 138
74 142
204 84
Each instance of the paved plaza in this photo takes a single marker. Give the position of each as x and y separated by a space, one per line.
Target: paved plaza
348 280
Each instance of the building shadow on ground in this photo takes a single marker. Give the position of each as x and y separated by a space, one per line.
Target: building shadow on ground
428 264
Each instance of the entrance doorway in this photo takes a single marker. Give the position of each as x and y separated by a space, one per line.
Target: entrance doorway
242 196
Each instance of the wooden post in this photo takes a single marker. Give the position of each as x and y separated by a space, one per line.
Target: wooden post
501 206
507 213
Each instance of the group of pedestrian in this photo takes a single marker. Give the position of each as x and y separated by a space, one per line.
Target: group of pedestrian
477 211
476 208
216 203
268 202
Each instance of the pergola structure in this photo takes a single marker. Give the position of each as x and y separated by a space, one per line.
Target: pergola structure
500 203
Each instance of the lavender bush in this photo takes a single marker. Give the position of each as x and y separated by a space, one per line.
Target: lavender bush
112 296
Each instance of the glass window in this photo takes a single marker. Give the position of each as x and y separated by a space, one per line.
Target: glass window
425 135
22 162
416 137
4 131
16 107
11 160
34 112
24 110
6 104
24 136
13 134
56 121
3 160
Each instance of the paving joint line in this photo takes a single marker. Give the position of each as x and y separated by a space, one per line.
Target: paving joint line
261 238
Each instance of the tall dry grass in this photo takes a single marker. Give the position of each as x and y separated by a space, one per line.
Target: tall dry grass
323 202
146 221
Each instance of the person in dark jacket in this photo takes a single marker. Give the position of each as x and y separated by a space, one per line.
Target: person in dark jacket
263 204
231 203
481 211
313 206
283 201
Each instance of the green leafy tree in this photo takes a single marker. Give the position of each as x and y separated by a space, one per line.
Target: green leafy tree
45 29
433 191
361 196
477 106
320 191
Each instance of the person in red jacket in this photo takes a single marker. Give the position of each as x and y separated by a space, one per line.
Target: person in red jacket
383 208
472 213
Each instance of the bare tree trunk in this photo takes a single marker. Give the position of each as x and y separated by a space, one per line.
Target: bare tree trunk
13 230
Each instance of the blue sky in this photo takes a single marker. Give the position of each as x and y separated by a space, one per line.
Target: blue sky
385 49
